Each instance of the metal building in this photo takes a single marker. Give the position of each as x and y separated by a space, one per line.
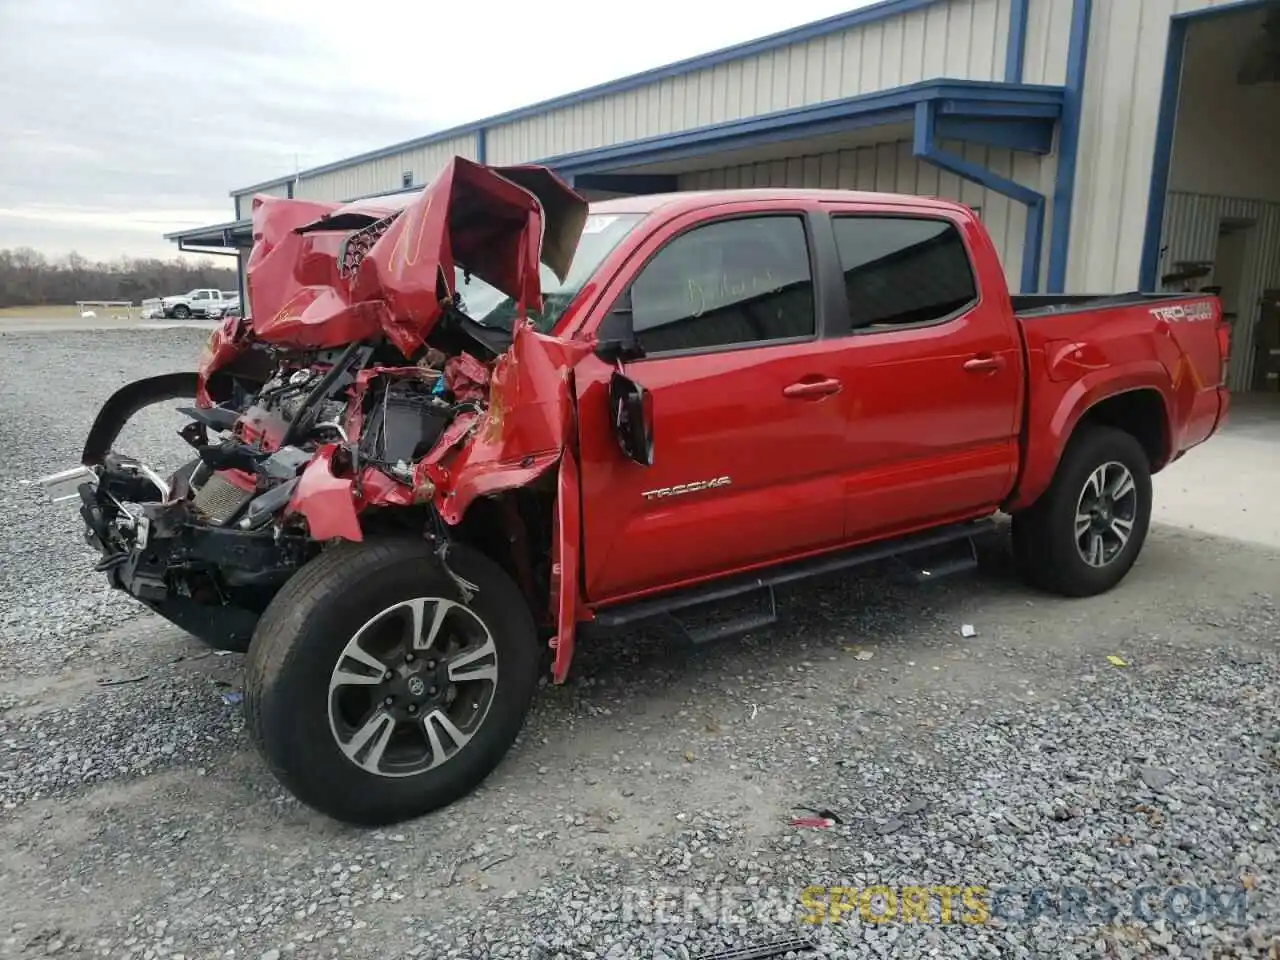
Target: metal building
1108 145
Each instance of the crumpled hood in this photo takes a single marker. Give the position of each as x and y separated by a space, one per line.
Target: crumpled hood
323 275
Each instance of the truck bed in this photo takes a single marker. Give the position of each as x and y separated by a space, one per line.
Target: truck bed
1035 305
1163 350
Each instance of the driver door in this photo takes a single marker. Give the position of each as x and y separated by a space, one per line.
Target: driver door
747 439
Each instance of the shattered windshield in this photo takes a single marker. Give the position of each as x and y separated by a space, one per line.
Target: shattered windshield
491 308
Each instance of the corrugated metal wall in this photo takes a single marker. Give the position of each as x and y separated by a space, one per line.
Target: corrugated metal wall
244 201
1048 33
1191 233
1123 84
891 167
962 39
386 173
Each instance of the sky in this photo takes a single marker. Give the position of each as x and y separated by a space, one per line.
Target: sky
121 120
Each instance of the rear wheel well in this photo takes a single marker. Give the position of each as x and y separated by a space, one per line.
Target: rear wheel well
1139 413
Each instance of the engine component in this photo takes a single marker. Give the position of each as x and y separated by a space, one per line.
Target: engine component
405 423
222 497
285 463
264 507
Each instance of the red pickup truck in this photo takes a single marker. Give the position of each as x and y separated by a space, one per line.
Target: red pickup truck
465 427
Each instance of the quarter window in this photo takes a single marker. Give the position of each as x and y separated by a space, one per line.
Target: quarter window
727 283
900 271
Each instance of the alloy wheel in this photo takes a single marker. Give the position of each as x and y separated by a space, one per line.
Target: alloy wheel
412 687
1106 512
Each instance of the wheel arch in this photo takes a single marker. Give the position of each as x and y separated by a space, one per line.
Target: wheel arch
1141 413
1137 403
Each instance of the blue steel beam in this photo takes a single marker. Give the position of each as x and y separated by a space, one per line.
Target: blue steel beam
1016 47
924 147
1064 188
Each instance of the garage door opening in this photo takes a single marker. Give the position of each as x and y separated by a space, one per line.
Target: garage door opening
1221 222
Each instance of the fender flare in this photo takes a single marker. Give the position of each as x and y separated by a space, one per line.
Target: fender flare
1050 438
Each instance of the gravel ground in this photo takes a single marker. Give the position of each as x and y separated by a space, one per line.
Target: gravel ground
1116 809
54 385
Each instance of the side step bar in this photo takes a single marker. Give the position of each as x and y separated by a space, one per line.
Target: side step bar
923 546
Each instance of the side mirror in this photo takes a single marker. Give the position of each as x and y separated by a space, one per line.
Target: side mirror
631 411
616 340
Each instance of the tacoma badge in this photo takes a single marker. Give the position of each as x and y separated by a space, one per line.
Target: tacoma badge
683 488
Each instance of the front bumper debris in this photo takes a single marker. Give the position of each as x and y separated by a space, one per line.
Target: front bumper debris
156 546
63 485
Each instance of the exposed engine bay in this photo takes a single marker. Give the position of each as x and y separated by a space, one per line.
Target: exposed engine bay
208 546
363 399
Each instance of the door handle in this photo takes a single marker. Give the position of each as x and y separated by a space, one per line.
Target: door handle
984 364
812 388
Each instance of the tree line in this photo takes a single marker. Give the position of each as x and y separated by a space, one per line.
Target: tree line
30 279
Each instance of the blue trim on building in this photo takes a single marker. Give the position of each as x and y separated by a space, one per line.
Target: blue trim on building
482 145
896 106
633 183
214 230
1161 162
1016 49
883 10
1162 158
1064 187
1022 135
924 147
997 106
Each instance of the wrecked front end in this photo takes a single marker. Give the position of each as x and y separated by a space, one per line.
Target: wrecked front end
358 399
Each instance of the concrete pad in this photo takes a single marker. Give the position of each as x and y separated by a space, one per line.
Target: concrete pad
1230 485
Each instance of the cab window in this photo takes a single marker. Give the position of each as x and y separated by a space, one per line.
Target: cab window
726 284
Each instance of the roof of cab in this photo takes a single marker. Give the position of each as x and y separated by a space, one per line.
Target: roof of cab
684 201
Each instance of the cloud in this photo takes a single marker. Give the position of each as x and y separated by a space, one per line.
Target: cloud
122 117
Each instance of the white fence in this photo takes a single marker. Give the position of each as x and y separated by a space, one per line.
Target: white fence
116 309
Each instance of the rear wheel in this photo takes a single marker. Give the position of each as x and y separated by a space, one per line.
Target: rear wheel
378 691
1084 534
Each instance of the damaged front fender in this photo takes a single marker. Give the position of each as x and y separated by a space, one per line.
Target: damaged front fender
522 433
325 500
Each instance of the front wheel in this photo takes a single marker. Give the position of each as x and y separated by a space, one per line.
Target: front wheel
1084 534
181 312
377 691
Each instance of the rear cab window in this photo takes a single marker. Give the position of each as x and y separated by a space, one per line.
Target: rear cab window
902 271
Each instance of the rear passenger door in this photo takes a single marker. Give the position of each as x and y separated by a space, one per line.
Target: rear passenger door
932 367
747 415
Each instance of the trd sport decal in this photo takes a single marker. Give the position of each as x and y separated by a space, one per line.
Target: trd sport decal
1185 313
682 488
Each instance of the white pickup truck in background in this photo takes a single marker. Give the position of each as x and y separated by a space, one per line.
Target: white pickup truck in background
202 302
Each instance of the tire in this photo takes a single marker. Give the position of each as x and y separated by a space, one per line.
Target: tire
298 719
181 312
1045 545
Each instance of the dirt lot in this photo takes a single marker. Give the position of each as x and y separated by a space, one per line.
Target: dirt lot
1126 807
